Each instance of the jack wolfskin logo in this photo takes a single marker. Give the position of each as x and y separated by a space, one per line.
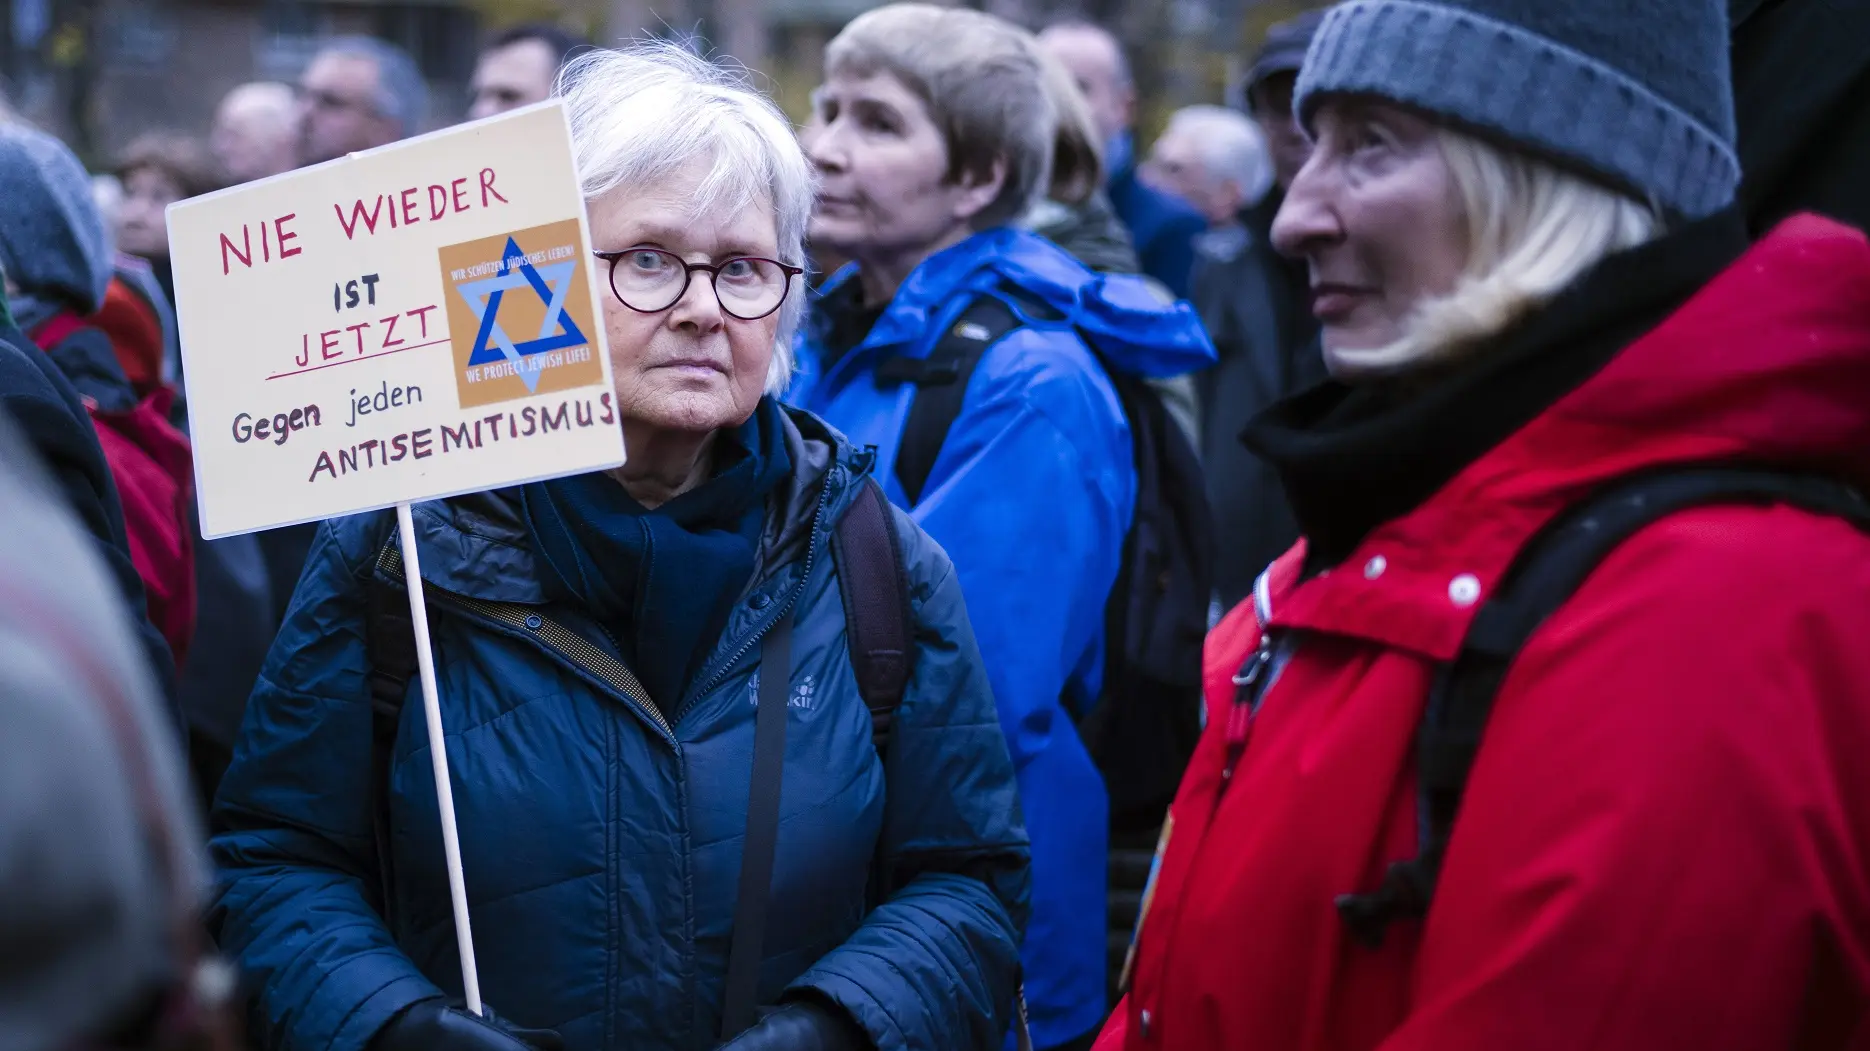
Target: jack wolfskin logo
804 693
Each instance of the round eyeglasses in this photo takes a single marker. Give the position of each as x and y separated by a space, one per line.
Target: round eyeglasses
650 280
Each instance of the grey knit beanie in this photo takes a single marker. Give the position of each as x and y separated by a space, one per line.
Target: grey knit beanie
52 239
1634 92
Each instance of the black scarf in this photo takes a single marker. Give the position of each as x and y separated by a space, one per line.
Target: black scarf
841 321
662 581
1353 458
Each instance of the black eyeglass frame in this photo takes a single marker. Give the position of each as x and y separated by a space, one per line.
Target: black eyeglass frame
688 276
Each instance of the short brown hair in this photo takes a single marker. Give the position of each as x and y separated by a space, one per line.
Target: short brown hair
184 159
981 80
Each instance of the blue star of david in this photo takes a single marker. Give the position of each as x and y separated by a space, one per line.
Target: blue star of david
551 283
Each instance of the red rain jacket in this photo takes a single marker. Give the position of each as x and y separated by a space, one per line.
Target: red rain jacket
1665 840
152 465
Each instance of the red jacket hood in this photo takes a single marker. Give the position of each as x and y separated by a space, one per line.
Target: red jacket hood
1769 364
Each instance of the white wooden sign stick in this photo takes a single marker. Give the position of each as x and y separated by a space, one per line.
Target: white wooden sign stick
438 751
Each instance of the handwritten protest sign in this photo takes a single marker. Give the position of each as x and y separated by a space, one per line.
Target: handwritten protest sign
418 321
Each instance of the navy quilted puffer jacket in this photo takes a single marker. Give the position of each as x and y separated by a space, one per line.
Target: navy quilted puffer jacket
602 845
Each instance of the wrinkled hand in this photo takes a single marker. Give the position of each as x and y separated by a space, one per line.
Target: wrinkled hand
434 1025
803 1025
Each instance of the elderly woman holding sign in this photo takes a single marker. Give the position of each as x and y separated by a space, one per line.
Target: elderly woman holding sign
691 792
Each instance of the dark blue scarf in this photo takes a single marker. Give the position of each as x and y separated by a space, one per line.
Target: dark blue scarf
664 581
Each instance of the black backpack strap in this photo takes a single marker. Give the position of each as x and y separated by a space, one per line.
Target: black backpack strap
747 944
879 631
875 589
941 381
390 643
1144 724
1544 575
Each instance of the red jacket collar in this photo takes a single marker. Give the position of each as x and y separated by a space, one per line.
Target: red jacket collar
1768 363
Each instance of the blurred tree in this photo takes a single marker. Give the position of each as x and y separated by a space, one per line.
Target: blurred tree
580 16
1265 14
612 22
71 52
743 32
1181 51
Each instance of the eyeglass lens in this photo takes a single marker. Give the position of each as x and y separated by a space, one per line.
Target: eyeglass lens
648 280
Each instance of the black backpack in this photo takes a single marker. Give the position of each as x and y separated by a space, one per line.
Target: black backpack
1143 726
1546 573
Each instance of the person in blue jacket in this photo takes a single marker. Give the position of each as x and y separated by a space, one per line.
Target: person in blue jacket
932 134
599 642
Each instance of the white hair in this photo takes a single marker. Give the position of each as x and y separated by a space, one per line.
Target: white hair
1532 229
268 97
1231 147
641 113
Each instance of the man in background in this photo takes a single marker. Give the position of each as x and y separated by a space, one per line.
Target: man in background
1215 159
1162 226
358 93
1257 307
1266 94
518 68
256 132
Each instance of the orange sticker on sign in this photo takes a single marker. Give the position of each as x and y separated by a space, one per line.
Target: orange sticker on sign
520 316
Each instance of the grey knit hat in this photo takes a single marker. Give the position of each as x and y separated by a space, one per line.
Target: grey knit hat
1634 92
52 239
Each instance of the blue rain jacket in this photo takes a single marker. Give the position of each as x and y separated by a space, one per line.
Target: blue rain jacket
601 845
1031 496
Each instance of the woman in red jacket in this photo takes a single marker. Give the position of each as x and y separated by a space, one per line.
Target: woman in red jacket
1532 285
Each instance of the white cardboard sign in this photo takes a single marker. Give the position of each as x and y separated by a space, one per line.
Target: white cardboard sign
417 321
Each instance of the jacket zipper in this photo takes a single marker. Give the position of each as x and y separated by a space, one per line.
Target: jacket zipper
792 597
550 635
1248 689
1250 685
1250 682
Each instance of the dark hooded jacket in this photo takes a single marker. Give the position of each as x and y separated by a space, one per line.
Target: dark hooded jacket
1253 302
50 412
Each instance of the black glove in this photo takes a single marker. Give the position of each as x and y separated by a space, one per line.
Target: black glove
434 1025
803 1025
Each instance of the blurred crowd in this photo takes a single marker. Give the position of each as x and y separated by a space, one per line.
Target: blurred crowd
1059 583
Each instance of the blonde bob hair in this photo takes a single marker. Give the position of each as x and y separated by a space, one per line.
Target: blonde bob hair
1532 229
